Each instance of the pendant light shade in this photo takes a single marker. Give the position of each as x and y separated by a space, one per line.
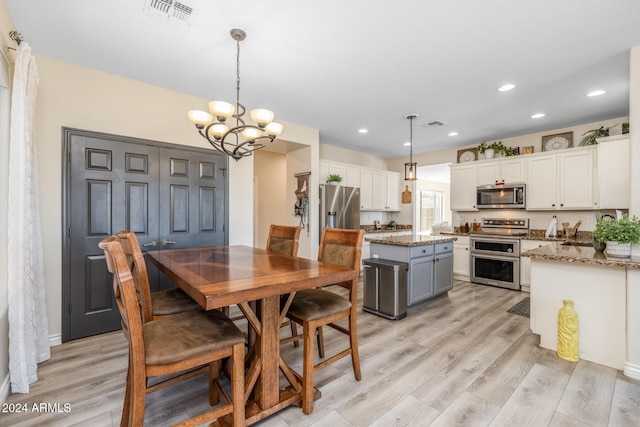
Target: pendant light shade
411 168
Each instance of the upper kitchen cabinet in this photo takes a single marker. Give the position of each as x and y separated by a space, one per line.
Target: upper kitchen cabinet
508 170
613 172
463 187
386 191
379 189
561 180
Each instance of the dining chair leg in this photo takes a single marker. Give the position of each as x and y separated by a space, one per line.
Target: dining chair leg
126 406
353 339
320 339
214 375
308 330
138 398
294 332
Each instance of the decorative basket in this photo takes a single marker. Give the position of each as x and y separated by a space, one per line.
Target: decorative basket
617 249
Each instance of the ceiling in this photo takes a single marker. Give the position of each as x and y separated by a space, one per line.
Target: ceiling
339 66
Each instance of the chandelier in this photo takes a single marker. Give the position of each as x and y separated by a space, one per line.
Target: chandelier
242 138
410 169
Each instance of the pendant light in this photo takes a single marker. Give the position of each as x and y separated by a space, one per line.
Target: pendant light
411 168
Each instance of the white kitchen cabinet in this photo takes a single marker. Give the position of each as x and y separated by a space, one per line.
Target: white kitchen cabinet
379 191
463 187
461 259
393 191
613 172
353 177
366 190
561 180
508 170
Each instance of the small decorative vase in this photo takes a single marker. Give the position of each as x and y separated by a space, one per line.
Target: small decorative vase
617 249
568 332
599 245
489 153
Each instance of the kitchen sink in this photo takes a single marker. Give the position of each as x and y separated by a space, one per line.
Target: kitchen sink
577 244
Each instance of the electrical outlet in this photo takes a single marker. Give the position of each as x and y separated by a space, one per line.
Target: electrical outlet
591 218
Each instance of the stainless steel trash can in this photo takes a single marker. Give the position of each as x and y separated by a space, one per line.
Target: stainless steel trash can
385 288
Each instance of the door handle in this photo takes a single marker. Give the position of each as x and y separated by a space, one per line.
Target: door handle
150 244
166 242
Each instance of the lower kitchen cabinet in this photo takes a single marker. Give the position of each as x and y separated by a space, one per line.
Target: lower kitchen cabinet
461 259
443 268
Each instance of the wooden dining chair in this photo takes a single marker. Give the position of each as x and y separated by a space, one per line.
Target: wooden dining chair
314 308
283 239
171 345
154 304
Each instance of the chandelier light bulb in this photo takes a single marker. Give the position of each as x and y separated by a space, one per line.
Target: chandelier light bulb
218 130
262 117
274 129
221 110
200 118
251 133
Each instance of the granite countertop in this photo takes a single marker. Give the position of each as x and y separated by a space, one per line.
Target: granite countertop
581 255
418 240
385 228
581 236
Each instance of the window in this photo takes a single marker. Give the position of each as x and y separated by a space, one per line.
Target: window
431 209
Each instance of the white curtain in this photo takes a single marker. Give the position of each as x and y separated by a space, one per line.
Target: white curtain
28 328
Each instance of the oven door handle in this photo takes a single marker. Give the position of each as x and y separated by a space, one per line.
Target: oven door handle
514 257
493 240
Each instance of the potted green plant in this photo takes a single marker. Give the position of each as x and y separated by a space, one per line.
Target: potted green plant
334 179
590 136
496 147
619 234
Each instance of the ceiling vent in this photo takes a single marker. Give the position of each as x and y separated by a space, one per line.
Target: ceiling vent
174 11
432 124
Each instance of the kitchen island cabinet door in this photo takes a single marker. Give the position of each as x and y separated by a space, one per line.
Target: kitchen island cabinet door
420 280
443 273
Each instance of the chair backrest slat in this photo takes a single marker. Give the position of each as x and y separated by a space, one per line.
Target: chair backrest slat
342 247
136 262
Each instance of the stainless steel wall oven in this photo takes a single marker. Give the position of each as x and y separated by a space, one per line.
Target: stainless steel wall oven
495 252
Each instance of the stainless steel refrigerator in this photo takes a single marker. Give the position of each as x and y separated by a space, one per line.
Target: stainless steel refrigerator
339 207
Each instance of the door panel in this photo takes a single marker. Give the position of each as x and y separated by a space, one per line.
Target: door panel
159 192
112 187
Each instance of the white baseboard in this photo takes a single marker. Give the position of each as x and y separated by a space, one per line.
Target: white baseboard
632 371
55 339
4 389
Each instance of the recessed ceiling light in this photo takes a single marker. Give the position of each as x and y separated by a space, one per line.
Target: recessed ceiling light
597 93
453 133
506 87
406 144
538 115
363 130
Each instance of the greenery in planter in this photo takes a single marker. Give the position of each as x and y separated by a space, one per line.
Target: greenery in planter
334 178
623 230
589 137
625 127
498 147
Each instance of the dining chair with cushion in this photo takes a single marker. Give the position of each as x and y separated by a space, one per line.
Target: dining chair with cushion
171 345
154 304
314 308
283 239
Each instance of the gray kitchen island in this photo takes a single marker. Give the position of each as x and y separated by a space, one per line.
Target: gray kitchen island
430 261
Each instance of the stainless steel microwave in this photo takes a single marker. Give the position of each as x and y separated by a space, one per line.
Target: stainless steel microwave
501 196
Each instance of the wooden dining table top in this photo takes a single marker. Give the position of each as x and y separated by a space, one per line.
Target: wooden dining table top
220 276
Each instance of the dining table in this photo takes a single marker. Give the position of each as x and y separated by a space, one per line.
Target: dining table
222 276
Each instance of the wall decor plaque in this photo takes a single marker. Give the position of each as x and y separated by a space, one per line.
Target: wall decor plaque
559 141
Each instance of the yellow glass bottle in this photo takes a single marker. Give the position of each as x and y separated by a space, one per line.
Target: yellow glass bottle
568 332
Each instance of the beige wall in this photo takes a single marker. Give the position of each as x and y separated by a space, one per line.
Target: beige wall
344 155
78 97
270 185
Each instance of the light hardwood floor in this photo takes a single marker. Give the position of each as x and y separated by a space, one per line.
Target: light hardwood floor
461 360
